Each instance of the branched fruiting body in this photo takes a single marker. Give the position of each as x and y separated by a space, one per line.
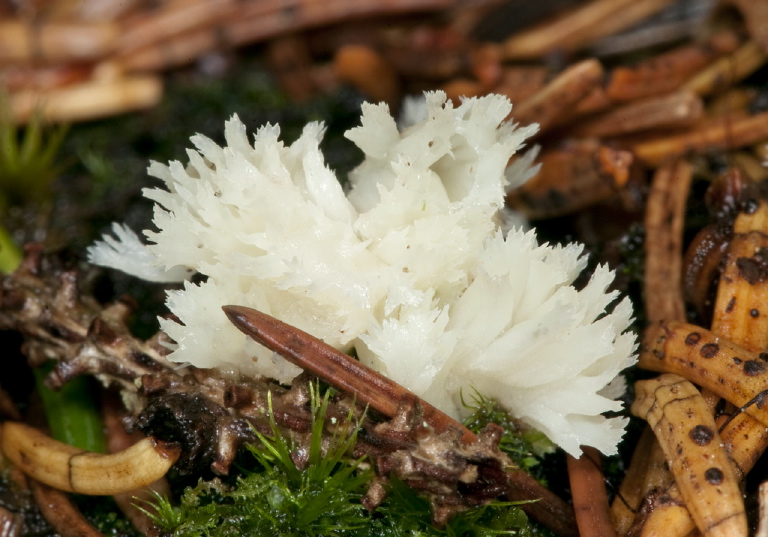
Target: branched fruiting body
688 436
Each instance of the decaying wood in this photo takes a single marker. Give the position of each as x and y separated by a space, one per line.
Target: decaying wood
743 437
10 523
118 440
173 53
24 77
291 63
663 513
752 167
688 436
171 20
572 178
706 251
486 64
459 88
590 499
664 219
341 370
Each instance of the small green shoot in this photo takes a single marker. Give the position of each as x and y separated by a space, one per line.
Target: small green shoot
27 168
27 157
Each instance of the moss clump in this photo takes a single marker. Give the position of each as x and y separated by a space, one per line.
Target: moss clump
275 497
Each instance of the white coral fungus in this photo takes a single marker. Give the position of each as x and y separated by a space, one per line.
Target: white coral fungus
409 267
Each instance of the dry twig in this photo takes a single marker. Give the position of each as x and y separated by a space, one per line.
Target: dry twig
664 218
688 436
61 513
590 499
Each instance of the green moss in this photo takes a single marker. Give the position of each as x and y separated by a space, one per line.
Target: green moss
526 447
275 497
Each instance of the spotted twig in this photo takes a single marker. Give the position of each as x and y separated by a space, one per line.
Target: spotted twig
687 433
